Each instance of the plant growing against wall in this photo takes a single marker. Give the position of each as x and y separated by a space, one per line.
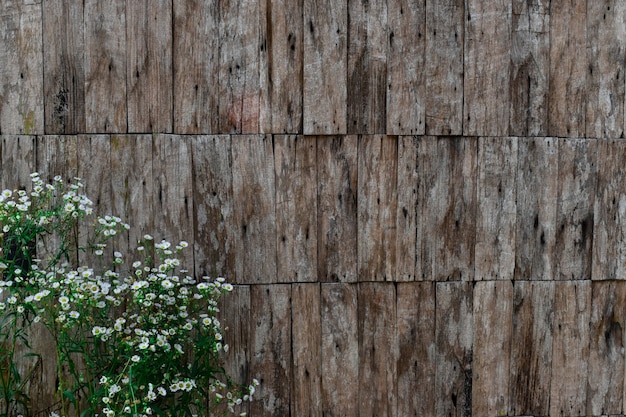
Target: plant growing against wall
138 337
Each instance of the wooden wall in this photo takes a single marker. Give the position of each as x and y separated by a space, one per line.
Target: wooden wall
422 203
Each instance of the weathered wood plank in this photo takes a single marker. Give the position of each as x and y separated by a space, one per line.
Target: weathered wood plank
537 190
270 341
18 161
415 305
493 327
239 85
568 68
376 207
570 351
325 67
149 65
281 67
406 215
337 208
531 348
606 54
21 54
496 212
605 372
575 207
340 350
296 207
63 67
530 68
105 66
196 65
405 67
254 209
306 397
58 155
444 67
454 336
486 67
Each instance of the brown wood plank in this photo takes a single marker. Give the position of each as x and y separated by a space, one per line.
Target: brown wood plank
605 372
416 348
493 314
486 67
537 189
496 212
337 208
105 66
149 65
530 68
406 215
21 54
570 351
340 350
63 67
575 207
531 348
568 68
454 336
296 207
444 67
281 67
405 67
270 342
325 67
307 343
606 55
58 155
254 210
196 65
18 161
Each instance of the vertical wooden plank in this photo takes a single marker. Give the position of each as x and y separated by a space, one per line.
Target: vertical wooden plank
18 161
149 65
448 178
444 67
239 92
486 68
493 302
405 67
605 376
530 68
406 215
57 155
254 203
21 54
337 208
306 339
606 55
575 207
281 67
63 67
495 215
376 207
531 348
296 207
570 351
325 67
196 66
568 68
271 348
340 350
454 335
416 348
537 189
213 205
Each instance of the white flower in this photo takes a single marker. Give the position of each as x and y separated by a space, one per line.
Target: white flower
135 358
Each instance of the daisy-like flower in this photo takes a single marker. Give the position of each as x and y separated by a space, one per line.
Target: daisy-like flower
135 358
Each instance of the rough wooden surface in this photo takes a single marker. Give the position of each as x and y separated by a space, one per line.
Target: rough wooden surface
18 161
406 208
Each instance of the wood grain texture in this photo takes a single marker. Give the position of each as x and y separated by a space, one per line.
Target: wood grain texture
486 67
496 208
196 66
376 207
18 161
406 210
406 99
325 67
295 161
149 66
58 155
337 208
